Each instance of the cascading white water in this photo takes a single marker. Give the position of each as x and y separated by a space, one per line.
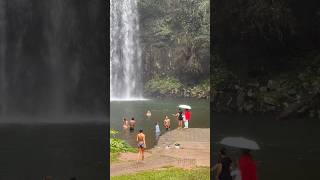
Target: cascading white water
125 52
3 46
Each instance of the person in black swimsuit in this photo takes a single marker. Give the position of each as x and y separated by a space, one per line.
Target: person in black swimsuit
179 116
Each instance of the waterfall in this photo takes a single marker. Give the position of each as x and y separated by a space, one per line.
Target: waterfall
55 39
3 46
125 52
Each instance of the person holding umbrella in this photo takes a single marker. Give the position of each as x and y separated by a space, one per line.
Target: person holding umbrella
246 163
180 115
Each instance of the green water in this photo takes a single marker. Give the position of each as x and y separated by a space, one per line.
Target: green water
200 116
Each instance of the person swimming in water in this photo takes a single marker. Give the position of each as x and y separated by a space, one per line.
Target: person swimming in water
166 123
132 124
148 114
141 139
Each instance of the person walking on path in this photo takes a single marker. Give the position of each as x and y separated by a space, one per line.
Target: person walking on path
247 166
187 116
141 139
179 116
166 123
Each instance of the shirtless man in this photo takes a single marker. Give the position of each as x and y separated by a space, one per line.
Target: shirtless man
166 123
132 124
141 139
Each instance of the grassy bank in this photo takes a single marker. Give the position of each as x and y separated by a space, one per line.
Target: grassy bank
168 173
114 157
118 146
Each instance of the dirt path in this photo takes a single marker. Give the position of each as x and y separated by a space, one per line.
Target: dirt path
194 151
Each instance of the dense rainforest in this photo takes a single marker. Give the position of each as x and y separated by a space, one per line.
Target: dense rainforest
266 57
175 40
265 54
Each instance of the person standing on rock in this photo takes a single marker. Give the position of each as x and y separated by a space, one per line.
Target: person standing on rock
187 116
179 116
157 130
166 123
141 139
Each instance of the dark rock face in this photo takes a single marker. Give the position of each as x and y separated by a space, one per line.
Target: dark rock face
267 57
53 57
173 44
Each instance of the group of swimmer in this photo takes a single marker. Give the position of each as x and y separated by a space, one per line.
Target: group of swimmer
180 115
129 124
141 138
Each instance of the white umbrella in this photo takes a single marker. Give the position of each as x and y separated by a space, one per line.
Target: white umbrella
183 106
240 142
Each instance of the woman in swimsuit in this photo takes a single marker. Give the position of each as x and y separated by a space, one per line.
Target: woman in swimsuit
125 123
179 116
141 139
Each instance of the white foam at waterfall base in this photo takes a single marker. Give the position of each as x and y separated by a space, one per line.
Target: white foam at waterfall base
128 99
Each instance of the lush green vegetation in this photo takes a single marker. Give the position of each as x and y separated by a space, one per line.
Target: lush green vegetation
118 146
264 59
163 86
168 86
168 173
175 42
